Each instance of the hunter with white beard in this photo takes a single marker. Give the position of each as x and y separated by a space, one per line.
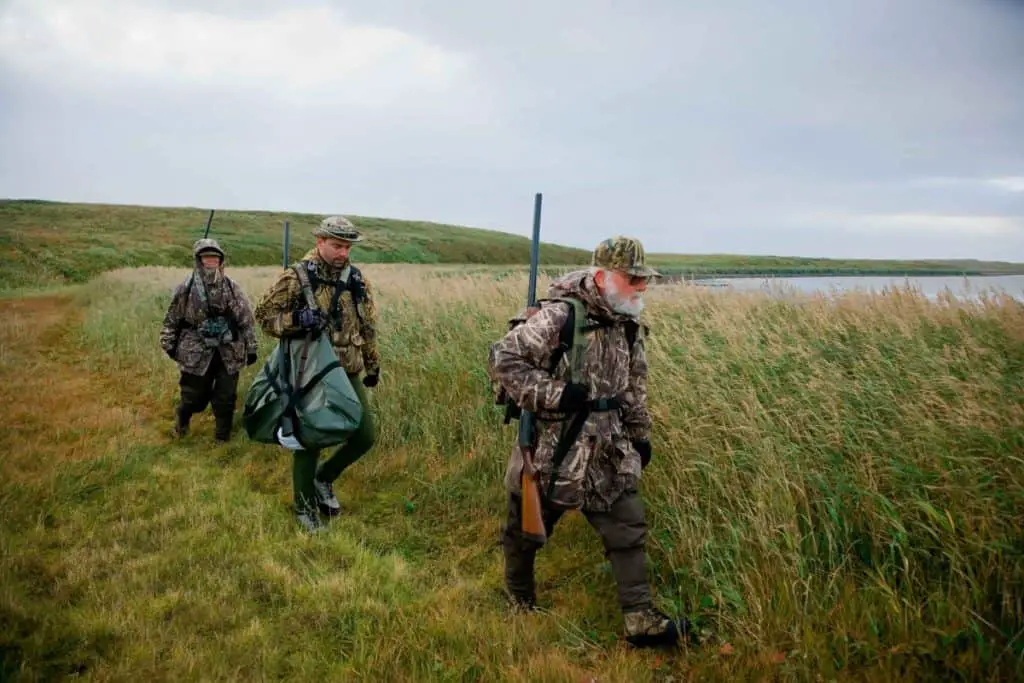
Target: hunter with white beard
598 471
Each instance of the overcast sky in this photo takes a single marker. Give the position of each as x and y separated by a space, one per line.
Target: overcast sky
860 128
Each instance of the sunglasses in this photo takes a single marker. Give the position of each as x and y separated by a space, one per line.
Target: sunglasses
635 280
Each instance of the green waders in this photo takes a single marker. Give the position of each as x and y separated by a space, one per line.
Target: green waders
304 466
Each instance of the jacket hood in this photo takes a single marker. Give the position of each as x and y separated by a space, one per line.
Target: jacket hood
207 244
580 284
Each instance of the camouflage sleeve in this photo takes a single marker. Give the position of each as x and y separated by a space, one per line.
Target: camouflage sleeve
245 319
521 356
368 331
635 416
274 310
172 320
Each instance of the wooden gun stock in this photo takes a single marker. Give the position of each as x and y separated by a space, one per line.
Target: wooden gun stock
532 515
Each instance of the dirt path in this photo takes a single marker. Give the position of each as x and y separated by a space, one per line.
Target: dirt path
54 407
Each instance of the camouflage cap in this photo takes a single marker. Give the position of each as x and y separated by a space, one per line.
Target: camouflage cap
338 227
623 253
207 244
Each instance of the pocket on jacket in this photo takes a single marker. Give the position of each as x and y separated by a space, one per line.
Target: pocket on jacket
573 469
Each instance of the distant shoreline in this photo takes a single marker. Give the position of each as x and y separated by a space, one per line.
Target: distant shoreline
707 278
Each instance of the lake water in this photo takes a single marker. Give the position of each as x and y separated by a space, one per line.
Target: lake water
930 286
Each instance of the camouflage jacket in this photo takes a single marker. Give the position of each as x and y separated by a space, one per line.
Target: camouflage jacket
185 318
602 463
353 333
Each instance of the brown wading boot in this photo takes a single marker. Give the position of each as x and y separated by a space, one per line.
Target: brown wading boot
650 628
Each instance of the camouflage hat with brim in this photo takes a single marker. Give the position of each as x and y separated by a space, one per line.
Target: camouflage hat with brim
207 246
624 254
339 228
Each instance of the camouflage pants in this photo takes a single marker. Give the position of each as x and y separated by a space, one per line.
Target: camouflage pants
305 463
216 388
622 529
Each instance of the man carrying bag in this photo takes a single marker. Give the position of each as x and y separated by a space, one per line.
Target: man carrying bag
324 302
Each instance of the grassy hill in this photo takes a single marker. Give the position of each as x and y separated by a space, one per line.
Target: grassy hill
49 243
54 243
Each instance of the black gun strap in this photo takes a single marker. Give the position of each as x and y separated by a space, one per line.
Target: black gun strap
571 432
566 440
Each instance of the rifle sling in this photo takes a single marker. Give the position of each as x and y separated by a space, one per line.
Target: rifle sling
572 432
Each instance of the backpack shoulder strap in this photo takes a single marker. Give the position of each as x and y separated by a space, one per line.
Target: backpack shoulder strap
578 344
357 288
355 283
570 337
307 290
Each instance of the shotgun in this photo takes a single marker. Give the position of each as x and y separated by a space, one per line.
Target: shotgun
533 519
209 219
284 260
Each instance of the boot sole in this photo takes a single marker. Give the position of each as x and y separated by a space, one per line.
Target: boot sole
669 639
328 511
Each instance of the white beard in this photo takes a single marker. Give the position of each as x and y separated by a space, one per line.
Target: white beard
632 305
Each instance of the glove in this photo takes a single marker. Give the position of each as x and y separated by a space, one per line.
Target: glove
644 449
371 379
250 358
574 398
308 318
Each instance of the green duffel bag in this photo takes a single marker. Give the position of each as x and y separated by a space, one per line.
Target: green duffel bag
302 397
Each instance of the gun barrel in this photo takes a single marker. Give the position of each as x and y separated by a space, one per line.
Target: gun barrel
531 296
526 420
284 261
209 220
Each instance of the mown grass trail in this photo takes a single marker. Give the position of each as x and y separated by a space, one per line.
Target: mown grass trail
837 492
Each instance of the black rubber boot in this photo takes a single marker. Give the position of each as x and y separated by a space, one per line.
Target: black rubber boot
181 419
222 430
519 582
521 603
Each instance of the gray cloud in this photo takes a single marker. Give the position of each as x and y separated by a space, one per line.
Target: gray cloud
868 129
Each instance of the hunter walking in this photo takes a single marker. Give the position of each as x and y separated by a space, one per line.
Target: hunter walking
346 306
594 433
209 331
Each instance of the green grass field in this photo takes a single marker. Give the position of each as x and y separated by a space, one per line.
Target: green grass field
45 244
837 493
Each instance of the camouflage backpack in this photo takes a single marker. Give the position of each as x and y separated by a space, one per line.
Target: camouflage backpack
571 339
